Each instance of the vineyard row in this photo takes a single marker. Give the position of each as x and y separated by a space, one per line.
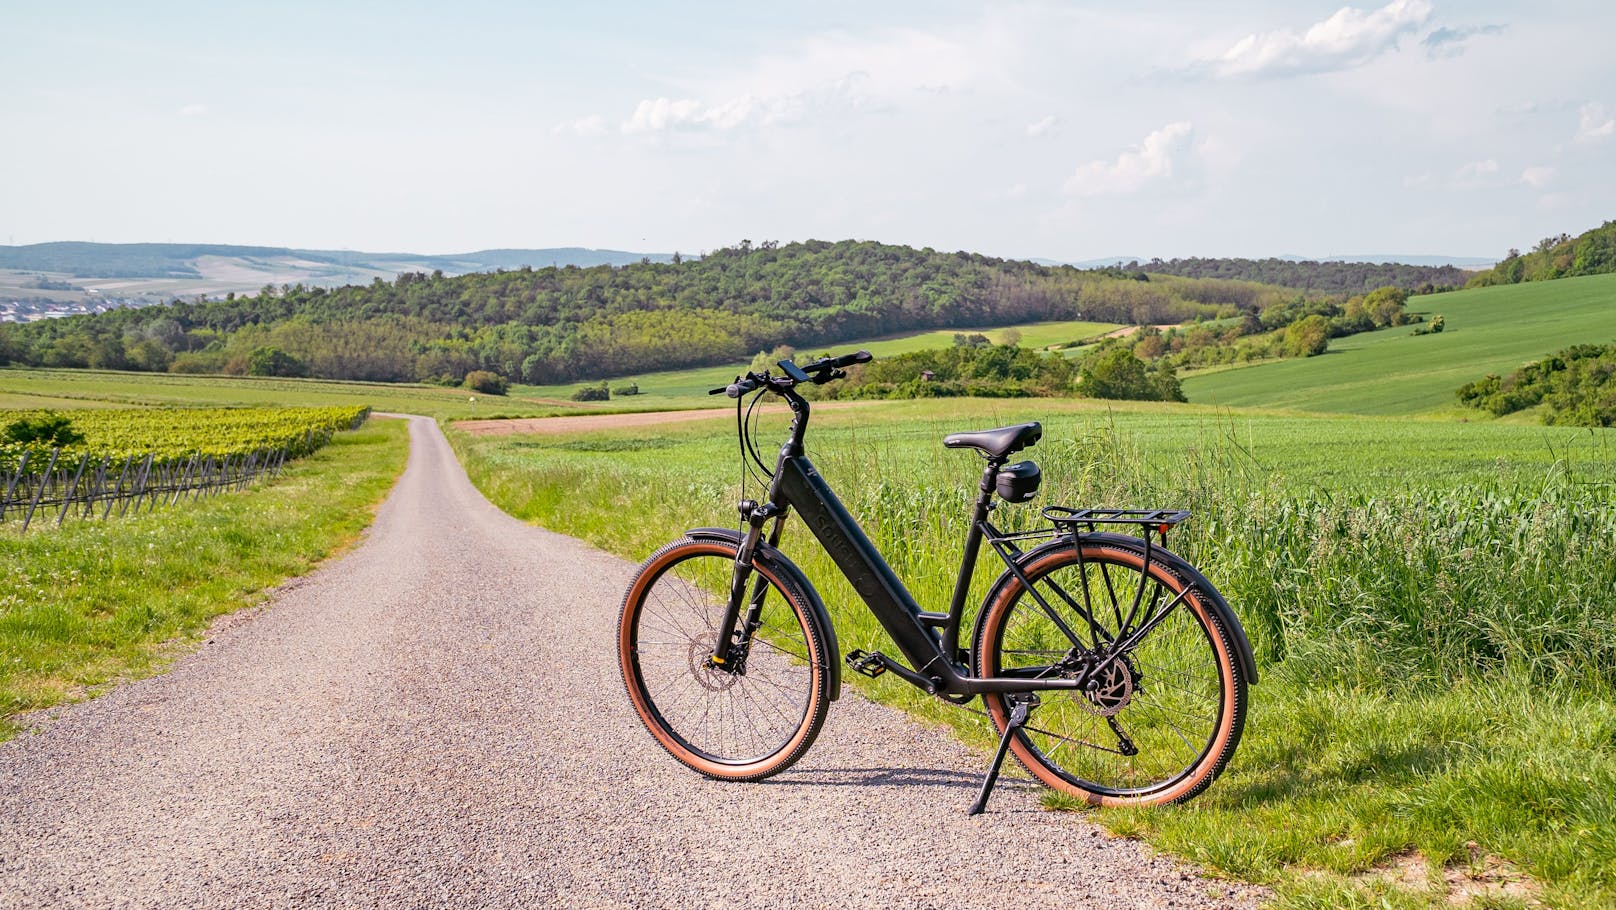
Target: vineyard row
62 482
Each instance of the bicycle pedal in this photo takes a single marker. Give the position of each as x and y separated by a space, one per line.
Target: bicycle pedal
867 663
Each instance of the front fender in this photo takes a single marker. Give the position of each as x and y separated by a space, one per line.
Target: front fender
1231 622
778 562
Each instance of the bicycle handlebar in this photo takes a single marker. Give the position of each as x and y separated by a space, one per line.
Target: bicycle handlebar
820 371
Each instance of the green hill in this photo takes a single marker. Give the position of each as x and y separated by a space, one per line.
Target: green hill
1590 253
1392 371
552 325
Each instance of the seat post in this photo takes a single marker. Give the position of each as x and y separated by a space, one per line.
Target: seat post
973 546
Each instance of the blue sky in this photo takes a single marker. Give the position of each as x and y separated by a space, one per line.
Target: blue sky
1061 130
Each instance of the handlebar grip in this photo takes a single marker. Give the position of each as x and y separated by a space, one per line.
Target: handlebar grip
740 387
847 360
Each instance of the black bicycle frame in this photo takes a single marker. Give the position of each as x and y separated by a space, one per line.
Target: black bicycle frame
933 659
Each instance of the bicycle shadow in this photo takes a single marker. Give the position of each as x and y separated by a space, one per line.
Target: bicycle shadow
893 777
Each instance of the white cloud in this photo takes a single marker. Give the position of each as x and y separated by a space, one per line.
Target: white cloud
1594 123
593 125
1537 176
1476 173
193 110
1041 128
1152 161
828 76
1349 38
662 114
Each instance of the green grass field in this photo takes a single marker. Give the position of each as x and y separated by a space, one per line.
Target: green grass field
22 389
1489 330
1429 601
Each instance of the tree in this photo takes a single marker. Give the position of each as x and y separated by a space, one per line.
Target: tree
272 361
767 360
1116 373
1384 306
1308 336
489 383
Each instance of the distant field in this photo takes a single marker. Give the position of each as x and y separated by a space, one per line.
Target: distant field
688 388
59 389
1489 330
674 389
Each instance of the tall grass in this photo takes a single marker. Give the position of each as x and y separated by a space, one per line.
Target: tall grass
1438 656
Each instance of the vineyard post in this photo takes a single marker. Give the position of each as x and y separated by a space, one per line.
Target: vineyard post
94 488
41 491
117 488
11 484
165 480
140 485
203 479
185 478
224 477
67 495
247 471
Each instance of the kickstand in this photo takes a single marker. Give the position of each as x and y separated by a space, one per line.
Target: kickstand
1019 706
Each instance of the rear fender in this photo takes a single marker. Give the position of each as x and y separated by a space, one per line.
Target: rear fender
778 562
1231 622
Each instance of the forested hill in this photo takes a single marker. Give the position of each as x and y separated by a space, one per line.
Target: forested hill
1346 278
1591 253
560 324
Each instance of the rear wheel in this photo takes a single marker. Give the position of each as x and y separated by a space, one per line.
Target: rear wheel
1161 717
755 715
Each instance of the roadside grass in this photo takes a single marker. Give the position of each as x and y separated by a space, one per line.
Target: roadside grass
97 601
1392 371
1430 604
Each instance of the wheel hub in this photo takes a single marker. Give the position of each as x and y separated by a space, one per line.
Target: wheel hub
1110 690
708 676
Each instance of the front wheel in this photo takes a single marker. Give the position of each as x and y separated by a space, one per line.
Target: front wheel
755 715
1161 717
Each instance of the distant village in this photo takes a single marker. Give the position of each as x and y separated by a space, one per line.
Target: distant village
33 309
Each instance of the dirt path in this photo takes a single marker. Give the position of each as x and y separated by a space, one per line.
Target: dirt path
436 720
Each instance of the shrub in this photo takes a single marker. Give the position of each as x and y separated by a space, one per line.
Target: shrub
633 388
593 393
271 361
487 382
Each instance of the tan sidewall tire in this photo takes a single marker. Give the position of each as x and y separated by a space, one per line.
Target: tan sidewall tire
1230 711
814 714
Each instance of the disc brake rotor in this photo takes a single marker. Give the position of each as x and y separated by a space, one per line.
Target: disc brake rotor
708 676
1111 690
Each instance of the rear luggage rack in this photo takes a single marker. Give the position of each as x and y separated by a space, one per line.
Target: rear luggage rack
1158 520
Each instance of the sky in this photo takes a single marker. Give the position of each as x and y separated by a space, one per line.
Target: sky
1068 131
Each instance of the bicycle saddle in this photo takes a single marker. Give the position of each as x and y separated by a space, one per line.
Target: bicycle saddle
997 443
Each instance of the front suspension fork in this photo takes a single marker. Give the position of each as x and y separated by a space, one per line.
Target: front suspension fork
734 635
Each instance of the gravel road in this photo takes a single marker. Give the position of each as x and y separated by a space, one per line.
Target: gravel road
436 720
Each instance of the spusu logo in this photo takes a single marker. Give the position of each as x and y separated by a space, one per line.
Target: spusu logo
821 519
